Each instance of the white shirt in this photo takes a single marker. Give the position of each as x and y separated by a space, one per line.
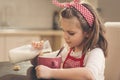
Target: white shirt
94 61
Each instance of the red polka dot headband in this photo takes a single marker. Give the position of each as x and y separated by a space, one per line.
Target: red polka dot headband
82 9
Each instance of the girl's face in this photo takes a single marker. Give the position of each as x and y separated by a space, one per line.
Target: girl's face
73 32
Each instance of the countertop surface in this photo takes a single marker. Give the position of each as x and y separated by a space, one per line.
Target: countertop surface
30 32
7 72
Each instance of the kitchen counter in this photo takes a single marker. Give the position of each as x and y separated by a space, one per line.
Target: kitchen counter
7 72
30 32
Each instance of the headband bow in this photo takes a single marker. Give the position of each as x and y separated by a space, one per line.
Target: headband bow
89 17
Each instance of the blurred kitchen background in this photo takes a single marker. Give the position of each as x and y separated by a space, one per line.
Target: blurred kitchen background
39 14
26 13
24 21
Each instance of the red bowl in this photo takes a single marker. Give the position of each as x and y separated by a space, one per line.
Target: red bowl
52 62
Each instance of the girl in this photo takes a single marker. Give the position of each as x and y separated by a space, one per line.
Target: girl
87 46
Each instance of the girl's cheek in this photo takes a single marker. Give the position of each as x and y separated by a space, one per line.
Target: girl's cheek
66 36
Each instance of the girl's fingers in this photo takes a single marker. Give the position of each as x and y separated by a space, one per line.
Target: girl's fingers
38 45
37 67
33 43
37 71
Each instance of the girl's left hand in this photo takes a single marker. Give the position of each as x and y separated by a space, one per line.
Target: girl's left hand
43 72
38 45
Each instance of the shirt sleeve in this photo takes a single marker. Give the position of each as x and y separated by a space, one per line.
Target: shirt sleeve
96 63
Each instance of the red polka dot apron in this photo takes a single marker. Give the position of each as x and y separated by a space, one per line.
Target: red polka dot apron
72 62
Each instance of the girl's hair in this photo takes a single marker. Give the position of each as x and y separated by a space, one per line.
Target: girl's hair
96 33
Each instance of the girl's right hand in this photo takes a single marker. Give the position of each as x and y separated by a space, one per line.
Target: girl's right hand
43 72
38 45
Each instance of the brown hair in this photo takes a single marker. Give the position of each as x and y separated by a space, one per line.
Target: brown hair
96 33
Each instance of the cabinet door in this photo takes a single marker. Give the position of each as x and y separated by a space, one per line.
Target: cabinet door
16 41
2 48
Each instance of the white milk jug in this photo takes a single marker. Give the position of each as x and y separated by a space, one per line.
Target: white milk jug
27 52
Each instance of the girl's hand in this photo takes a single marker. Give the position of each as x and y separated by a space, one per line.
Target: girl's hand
43 72
38 45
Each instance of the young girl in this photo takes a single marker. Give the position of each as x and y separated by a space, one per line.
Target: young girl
84 34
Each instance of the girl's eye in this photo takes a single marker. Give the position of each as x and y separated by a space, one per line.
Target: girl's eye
70 33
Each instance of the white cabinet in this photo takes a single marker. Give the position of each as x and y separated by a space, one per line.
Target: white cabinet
2 48
10 42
